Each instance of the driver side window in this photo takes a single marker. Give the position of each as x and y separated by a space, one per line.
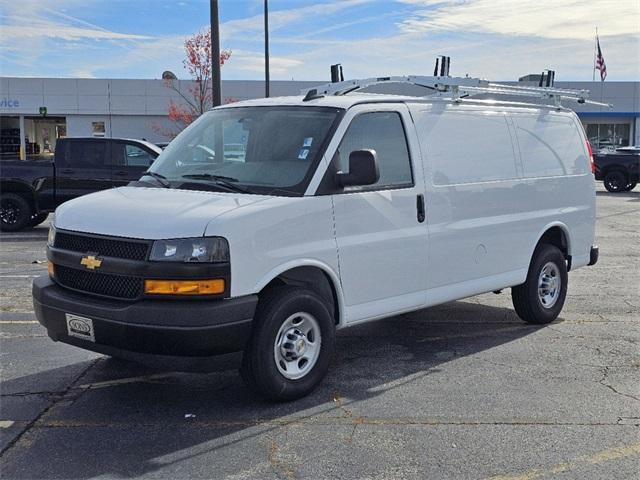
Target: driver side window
384 133
136 156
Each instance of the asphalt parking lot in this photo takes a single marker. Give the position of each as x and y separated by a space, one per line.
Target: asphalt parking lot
463 390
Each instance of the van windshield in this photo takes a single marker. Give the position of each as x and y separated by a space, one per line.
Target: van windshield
262 150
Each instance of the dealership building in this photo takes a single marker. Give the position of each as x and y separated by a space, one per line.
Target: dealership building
35 112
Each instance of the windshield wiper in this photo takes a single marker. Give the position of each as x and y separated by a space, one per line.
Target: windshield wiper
161 179
221 180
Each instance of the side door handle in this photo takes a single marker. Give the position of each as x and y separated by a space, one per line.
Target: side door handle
67 170
120 173
420 208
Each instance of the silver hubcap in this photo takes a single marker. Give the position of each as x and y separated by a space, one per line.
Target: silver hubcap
549 284
297 345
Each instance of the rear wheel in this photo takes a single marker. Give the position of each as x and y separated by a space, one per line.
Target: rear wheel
615 181
541 297
291 344
15 212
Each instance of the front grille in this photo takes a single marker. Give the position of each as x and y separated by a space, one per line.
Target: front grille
106 284
105 247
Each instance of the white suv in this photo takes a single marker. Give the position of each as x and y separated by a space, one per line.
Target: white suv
340 210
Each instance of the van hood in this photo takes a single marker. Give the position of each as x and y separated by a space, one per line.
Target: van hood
148 213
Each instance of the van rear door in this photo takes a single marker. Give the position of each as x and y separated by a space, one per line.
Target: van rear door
382 242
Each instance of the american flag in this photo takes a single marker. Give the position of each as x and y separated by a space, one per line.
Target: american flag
600 65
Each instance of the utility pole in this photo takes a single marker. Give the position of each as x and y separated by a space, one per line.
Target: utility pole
216 84
266 48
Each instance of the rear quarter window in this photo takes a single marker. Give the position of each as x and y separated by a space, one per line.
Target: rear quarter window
550 145
90 154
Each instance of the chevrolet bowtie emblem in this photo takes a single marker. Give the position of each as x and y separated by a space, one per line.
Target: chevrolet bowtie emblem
91 262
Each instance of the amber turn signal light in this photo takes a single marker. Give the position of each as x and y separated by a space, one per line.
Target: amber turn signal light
50 268
213 286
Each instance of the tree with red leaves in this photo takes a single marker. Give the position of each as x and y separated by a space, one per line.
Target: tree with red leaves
198 98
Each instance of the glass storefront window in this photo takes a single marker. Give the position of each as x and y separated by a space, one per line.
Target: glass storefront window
608 136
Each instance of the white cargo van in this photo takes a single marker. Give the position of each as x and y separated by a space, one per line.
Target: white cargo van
341 209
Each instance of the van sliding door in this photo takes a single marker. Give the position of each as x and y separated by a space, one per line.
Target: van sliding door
474 199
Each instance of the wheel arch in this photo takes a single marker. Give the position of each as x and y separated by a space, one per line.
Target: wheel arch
557 234
614 168
21 188
312 274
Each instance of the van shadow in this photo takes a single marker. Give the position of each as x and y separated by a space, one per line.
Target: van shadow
124 420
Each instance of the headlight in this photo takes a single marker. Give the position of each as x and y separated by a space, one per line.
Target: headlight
52 236
197 250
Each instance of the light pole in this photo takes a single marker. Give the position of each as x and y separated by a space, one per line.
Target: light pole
266 48
216 85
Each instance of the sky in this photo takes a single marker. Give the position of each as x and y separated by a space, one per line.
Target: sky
495 39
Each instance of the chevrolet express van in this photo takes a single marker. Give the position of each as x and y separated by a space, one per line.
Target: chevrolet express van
339 210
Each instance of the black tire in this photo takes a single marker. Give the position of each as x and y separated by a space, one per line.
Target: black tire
259 368
615 181
37 219
526 297
630 187
15 212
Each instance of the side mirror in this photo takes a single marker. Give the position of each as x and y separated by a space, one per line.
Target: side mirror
363 169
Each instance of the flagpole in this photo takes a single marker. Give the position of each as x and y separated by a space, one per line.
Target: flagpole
595 54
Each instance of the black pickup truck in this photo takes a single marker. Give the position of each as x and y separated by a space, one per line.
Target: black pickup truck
618 169
30 189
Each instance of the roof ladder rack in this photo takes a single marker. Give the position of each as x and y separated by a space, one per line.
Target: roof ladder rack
456 88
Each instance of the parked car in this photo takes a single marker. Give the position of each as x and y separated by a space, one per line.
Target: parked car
162 145
619 169
31 189
343 210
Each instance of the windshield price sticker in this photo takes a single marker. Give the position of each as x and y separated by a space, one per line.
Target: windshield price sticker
307 142
303 154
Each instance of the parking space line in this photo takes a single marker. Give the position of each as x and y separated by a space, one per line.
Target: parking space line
121 381
597 458
19 276
6 423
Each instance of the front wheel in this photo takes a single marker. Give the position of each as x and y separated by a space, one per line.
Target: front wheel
15 212
291 344
541 297
630 187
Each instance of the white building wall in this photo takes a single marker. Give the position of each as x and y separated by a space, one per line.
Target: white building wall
150 127
138 108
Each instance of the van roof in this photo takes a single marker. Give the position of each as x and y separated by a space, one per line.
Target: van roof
351 99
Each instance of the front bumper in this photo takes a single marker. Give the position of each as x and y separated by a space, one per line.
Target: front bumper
179 334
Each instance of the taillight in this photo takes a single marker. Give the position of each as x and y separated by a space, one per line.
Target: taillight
593 164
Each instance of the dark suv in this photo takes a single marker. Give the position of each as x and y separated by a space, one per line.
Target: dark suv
618 169
30 189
